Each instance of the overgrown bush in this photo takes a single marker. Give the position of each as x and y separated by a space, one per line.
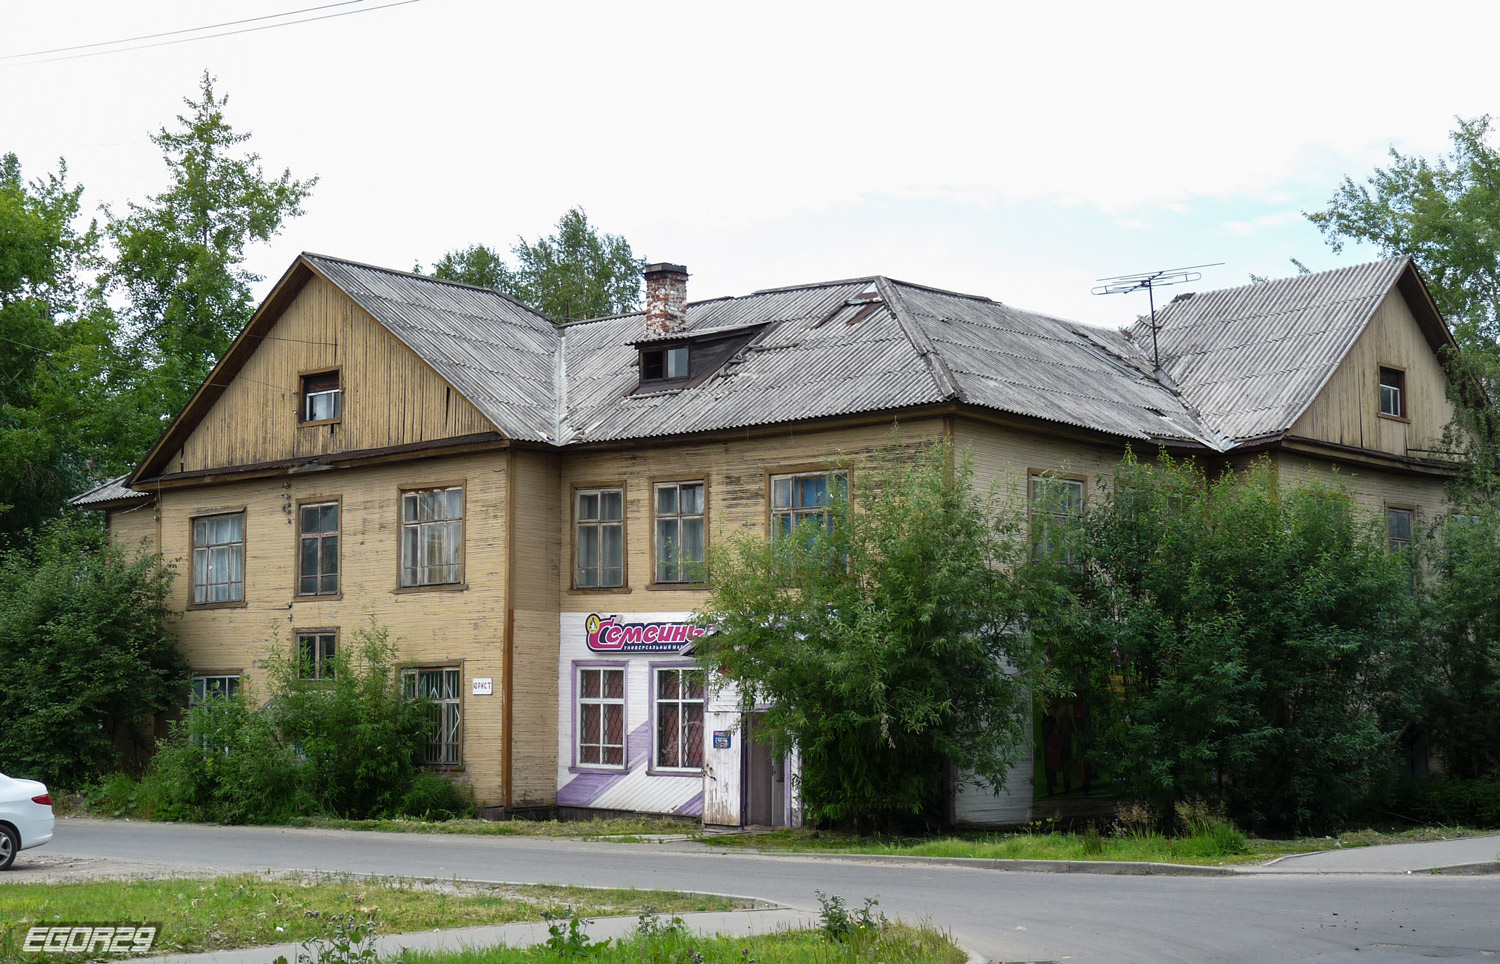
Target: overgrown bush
345 745
436 797
86 658
1444 801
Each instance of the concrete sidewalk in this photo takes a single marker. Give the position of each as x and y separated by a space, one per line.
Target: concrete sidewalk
523 934
1466 854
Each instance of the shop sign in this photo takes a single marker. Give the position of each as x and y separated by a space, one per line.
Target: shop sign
609 634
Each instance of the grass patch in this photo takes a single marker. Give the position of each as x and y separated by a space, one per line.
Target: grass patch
204 914
630 829
655 941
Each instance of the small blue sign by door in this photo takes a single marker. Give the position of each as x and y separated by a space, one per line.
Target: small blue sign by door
721 739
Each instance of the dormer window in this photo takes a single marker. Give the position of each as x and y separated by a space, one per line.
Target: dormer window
321 397
658 364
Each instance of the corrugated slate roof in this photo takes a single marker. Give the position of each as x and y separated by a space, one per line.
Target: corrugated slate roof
1251 359
1238 364
113 490
498 353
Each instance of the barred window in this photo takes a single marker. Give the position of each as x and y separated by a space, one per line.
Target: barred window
443 687
679 718
601 716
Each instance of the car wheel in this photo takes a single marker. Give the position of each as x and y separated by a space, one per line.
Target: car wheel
9 844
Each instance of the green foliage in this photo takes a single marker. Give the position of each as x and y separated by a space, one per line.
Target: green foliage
1460 656
1240 640
885 643
345 746
1443 213
85 653
569 940
1445 801
435 797
575 273
179 256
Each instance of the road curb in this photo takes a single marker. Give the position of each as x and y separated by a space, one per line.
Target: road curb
1116 868
1469 870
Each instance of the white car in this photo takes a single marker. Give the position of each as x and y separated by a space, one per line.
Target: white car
25 817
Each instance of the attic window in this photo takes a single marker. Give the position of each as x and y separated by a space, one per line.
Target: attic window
658 364
320 397
1392 392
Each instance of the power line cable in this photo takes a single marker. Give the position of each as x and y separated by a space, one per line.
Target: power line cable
226 33
170 33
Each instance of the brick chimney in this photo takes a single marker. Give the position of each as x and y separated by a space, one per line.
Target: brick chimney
666 298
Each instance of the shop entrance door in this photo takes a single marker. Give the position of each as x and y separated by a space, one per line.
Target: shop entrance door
765 779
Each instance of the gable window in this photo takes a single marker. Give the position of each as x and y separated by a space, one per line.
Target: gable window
1393 392
599 538
664 363
442 687
801 496
318 549
219 559
1056 507
315 652
679 719
601 716
432 536
679 531
217 687
321 397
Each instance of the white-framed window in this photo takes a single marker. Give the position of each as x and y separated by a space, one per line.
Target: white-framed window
679 531
1056 507
321 397
601 716
220 686
797 497
1393 392
432 536
679 718
219 558
664 363
443 687
315 651
318 549
599 538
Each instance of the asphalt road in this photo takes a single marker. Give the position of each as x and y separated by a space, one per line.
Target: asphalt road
1007 916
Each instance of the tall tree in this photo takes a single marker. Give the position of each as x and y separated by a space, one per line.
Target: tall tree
1445 213
61 380
575 273
885 640
180 256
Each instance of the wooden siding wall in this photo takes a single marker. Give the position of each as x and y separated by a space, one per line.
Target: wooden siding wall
1373 489
1347 412
134 528
433 627
535 514
390 397
737 497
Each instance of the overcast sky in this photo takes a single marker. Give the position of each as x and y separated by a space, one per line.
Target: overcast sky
1019 151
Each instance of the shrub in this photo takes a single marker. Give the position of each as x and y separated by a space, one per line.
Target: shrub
1445 801
436 797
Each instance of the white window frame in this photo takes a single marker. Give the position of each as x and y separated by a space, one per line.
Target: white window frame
1044 511
669 552
334 396
597 576
208 563
787 513
603 702
1395 394
227 683
682 702
417 568
443 686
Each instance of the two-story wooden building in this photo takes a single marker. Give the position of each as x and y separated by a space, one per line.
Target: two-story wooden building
526 505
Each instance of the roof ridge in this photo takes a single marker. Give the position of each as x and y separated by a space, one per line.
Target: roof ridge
949 291
937 365
640 311
871 279
1301 277
417 275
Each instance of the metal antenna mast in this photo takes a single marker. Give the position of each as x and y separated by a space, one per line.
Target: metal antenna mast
1151 280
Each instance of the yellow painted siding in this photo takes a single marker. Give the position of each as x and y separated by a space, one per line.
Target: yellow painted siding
536 519
1347 411
736 477
390 397
433 626
1004 458
1373 489
134 528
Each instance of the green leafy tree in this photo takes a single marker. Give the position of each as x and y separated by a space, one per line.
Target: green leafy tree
63 385
1460 656
1243 640
179 261
1445 213
574 273
85 653
885 642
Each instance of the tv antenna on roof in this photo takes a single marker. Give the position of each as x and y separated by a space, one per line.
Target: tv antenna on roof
1151 280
